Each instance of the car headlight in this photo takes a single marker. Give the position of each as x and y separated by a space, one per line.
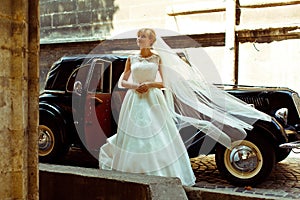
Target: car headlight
282 114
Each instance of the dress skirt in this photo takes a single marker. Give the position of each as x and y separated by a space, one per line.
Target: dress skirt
147 140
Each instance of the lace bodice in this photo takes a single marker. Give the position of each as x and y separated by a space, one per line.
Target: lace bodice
144 69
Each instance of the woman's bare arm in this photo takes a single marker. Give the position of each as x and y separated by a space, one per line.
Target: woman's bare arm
127 71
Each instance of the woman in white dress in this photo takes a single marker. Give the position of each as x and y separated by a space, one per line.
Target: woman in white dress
147 140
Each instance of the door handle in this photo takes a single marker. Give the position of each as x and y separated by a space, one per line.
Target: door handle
97 100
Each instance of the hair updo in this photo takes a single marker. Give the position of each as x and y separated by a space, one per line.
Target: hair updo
150 33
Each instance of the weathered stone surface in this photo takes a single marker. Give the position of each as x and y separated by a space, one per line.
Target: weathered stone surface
17 100
61 18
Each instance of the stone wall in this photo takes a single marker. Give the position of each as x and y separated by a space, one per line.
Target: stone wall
76 20
19 47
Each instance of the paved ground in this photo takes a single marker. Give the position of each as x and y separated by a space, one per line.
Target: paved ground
283 183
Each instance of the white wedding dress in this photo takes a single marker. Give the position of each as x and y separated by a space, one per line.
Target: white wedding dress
147 140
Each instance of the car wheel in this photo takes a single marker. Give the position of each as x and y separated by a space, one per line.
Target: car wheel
248 162
51 145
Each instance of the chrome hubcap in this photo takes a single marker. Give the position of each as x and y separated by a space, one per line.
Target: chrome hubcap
243 158
46 140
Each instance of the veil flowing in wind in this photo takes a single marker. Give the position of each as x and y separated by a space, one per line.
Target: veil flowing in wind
195 102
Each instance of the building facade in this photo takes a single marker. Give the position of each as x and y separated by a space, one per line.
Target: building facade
266 32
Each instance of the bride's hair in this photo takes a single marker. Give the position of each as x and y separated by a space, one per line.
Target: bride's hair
150 32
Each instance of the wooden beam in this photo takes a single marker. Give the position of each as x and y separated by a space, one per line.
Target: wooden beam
268 35
207 7
258 35
264 4
195 8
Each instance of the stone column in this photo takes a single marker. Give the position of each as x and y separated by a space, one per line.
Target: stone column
19 47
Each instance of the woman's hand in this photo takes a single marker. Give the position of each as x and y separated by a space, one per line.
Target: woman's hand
142 88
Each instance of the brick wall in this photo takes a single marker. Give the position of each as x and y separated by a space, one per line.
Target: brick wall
75 20
49 53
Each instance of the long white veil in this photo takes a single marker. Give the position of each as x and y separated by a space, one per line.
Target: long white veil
194 101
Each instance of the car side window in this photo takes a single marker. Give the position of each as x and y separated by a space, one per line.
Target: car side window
101 78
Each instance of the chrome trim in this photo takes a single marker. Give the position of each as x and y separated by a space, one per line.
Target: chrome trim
101 62
290 145
290 132
54 91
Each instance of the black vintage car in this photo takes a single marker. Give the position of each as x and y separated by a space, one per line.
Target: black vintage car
81 98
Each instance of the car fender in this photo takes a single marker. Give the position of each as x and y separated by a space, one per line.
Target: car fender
271 130
46 109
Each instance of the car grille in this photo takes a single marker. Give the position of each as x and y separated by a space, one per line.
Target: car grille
258 102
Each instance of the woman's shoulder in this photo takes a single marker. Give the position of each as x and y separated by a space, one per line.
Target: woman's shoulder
156 55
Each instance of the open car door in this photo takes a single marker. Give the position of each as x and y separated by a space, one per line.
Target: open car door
97 108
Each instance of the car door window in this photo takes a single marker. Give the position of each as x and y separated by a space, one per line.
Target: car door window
101 77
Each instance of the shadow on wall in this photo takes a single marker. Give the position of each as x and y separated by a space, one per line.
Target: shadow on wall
78 20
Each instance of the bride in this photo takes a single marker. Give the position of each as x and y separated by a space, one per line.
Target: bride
148 139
